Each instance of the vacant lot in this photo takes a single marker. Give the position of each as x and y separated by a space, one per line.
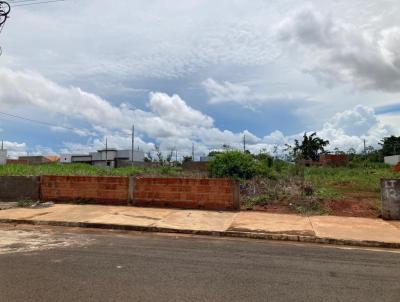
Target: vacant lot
344 191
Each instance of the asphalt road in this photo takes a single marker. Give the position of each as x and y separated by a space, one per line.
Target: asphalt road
117 266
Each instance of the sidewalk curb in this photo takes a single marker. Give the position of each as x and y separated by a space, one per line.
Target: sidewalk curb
237 234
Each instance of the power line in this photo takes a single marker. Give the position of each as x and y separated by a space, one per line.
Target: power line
22 1
33 3
39 122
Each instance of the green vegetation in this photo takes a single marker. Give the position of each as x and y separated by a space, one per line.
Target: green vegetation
25 203
311 207
243 166
337 180
83 170
310 148
390 145
271 183
233 164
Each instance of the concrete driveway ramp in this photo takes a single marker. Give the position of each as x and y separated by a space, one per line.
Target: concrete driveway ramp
258 222
197 220
352 228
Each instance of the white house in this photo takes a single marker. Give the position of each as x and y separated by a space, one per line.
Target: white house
392 160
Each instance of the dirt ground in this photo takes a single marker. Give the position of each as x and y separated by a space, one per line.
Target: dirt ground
356 204
349 207
352 203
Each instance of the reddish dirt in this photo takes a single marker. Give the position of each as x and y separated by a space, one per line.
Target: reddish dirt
274 208
355 204
353 208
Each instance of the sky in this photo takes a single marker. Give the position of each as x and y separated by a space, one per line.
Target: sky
200 73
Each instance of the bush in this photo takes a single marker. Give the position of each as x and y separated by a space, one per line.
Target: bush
233 164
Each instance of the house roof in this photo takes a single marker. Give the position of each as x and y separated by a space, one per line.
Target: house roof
52 158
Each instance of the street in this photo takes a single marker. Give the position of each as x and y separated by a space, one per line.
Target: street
66 264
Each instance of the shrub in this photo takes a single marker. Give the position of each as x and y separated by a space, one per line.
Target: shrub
233 164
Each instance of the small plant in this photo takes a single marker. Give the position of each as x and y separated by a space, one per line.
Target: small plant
311 206
329 193
254 201
25 203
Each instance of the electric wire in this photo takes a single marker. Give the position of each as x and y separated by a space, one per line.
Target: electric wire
38 122
31 2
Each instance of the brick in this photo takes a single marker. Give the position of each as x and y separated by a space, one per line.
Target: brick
186 192
102 190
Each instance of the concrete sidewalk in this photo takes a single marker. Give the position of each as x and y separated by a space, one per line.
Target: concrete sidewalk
318 229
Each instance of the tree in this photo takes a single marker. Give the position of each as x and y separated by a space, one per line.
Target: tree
213 153
187 159
169 156
311 147
338 151
149 157
390 145
159 155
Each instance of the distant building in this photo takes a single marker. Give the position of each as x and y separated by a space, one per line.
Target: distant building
38 159
105 158
3 156
392 160
206 158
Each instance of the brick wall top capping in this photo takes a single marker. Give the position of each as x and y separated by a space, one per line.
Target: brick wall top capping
188 178
83 176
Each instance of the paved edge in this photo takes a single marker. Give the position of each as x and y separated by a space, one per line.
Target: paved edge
238 234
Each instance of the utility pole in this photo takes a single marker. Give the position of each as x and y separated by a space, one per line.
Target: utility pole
244 143
365 150
106 153
4 11
193 152
133 141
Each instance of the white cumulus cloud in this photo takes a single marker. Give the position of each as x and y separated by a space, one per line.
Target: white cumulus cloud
338 51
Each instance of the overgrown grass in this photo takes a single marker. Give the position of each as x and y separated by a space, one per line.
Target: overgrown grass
83 170
336 180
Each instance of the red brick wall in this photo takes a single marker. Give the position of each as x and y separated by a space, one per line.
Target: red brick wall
90 189
192 193
333 159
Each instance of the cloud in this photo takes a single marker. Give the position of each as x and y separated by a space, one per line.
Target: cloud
350 128
14 149
226 92
354 121
169 121
174 109
136 40
337 51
